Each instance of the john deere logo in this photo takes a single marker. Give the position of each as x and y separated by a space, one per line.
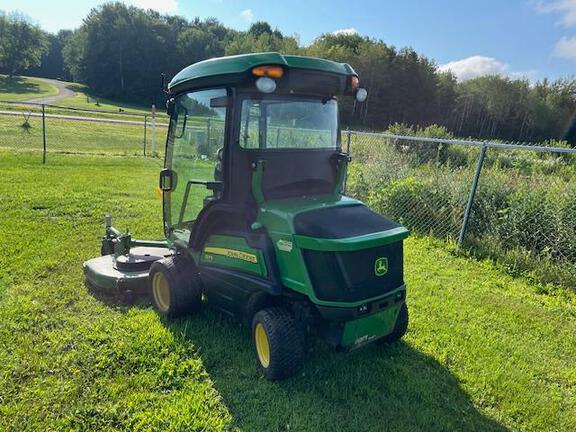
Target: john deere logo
381 266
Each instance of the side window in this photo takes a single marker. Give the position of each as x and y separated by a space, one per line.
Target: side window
195 143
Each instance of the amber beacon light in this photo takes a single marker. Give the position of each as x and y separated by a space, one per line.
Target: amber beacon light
268 71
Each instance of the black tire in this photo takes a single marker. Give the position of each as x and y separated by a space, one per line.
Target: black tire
182 292
400 327
285 340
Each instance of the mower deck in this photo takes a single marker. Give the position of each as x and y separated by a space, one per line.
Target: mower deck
115 275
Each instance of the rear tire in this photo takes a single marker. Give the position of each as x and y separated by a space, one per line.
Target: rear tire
400 327
278 343
174 287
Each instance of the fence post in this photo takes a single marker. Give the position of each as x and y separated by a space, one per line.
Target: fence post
153 129
145 127
43 133
348 134
471 195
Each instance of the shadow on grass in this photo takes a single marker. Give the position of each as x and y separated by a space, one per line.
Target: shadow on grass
17 85
372 389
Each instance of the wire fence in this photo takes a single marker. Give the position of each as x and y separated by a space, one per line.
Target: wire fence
514 202
60 129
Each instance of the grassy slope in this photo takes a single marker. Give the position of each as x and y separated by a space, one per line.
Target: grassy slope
484 351
77 136
81 101
20 89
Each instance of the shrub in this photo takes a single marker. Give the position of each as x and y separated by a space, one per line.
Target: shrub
420 205
423 151
490 206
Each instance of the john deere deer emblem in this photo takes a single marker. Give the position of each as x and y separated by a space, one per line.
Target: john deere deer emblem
381 266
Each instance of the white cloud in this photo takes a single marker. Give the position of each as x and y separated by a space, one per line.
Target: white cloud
566 48
565 7
346 31
162 6
475 66
248 16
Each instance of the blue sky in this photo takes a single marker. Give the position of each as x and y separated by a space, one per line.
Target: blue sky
533 38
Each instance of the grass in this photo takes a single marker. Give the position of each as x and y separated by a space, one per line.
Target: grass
484 352
21 89
66 136
85 99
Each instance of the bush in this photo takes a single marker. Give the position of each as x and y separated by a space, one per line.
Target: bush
423 151
490 206
420 205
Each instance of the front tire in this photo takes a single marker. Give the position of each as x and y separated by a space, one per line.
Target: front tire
174 287
278 343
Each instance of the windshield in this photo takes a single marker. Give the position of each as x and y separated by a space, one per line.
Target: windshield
289 124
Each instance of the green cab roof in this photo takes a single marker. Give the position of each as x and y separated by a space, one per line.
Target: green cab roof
242 63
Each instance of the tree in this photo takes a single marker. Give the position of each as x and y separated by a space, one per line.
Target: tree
22 44
52 63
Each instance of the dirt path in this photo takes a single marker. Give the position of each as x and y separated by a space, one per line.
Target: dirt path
63 91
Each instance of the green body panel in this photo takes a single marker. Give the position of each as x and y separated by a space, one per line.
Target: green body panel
244 62
233 253
277 216
352 243
367 329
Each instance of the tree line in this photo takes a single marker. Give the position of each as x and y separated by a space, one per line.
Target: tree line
120 51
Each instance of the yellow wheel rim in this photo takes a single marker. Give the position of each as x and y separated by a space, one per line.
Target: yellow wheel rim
161 291
262 345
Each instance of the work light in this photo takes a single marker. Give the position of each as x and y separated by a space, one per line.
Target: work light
266 85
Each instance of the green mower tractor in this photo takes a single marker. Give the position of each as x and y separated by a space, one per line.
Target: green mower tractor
255 217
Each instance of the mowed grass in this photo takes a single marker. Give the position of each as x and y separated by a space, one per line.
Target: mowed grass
20 88
484 352
85 99
73 136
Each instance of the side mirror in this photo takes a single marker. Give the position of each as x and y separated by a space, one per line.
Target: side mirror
361 94
170 106
167 180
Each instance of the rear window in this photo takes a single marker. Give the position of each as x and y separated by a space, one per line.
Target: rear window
289 124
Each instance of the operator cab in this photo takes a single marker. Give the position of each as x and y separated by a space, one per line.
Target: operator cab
266 132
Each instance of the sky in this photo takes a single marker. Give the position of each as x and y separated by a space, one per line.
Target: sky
518 38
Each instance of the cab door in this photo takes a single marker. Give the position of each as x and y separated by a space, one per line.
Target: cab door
192 174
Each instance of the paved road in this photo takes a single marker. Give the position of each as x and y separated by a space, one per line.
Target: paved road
90 119
63 91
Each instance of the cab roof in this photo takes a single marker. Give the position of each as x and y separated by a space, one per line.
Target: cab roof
240 64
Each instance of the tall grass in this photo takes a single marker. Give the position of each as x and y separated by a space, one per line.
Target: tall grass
524 211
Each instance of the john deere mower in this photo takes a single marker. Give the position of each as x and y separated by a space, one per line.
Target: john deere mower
255 217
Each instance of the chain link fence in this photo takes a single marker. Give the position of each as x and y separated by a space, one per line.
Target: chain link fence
49 129
512 202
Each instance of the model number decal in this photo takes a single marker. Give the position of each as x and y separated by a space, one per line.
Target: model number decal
284 245
232 253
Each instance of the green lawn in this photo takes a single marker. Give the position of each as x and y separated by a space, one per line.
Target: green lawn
86 99
67 136
20 88
484 351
